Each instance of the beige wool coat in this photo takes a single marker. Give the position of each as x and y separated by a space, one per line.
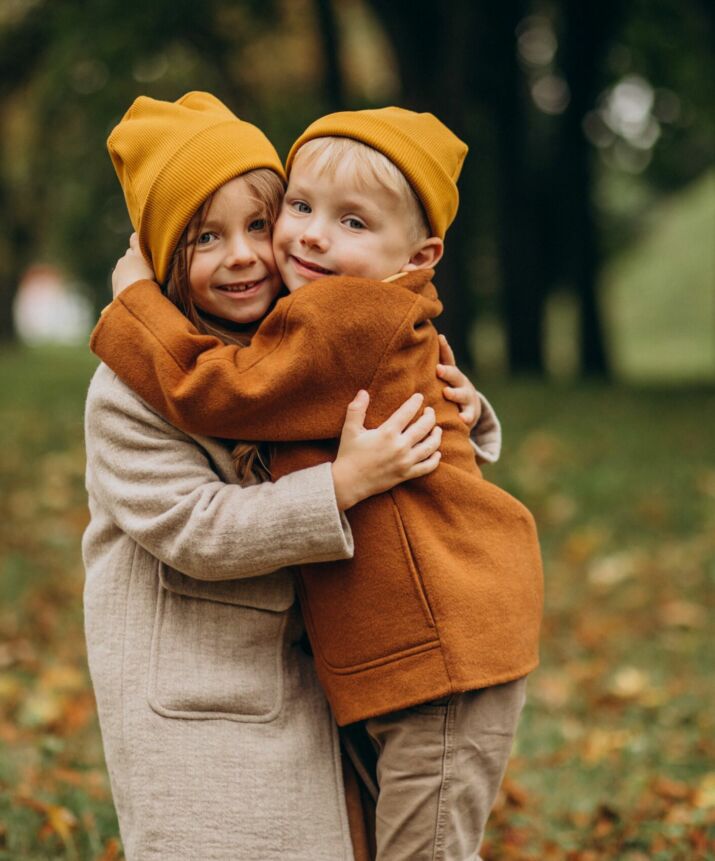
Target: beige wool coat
219 743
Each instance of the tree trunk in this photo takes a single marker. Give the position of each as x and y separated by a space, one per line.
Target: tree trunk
588 27
333 80
523 211
431 44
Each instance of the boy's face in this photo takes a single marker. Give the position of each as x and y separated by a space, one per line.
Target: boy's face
233 273
339 225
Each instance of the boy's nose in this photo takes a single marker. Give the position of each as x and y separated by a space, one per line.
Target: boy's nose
312 238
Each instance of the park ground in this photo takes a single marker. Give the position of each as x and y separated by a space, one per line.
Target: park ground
615 756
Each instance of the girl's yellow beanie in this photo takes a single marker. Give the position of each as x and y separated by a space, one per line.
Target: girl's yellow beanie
429 155
170 156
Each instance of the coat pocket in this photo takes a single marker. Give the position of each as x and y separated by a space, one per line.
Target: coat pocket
213 656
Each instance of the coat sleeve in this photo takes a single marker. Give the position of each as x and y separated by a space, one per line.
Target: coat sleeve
486 434
159 487
306 362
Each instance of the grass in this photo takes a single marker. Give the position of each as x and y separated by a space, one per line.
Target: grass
660 295
615 757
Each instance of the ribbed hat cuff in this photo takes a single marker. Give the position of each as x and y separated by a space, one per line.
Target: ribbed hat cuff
422 171
196 170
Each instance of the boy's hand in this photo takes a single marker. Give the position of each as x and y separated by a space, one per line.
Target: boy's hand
459 389
130 268
372 461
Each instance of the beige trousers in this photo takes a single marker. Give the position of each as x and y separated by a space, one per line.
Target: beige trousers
438 767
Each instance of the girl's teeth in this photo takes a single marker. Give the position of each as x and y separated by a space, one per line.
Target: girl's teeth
239 288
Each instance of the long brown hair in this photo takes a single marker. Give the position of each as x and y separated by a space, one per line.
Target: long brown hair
251 460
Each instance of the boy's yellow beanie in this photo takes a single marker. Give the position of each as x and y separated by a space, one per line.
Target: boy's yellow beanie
170 156
424 149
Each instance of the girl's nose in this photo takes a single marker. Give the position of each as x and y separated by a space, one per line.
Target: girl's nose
240 253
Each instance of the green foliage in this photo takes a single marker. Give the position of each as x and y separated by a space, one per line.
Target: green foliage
660 292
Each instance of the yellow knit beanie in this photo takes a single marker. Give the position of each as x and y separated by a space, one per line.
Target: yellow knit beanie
429 155
170 156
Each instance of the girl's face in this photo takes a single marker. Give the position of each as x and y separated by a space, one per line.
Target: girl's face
233 273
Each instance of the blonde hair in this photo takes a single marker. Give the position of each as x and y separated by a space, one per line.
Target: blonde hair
368 167
267 189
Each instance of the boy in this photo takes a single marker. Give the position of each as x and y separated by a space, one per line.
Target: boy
428 633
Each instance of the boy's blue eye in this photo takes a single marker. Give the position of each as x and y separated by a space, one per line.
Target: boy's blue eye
301 206
354 223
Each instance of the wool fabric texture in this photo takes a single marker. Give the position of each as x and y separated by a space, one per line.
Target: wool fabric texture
213 720
429 155
170 156
444 593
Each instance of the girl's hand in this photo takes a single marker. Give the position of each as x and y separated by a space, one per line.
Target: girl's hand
372 461
459 389
130 268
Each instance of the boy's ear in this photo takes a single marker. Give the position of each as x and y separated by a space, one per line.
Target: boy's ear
427 256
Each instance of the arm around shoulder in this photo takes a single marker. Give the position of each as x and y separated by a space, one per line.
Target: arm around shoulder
308 359
158 485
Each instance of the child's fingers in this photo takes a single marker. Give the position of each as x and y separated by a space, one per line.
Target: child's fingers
420 428
452 375
403 415
446 356
425 466
457 394
468 415
428 446
356 411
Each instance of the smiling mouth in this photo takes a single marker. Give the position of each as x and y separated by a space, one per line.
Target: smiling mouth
306 264
243 287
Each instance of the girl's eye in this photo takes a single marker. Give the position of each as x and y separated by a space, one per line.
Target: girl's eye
301 206
258 224
204 238
355 224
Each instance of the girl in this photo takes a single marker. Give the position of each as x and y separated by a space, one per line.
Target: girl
219 743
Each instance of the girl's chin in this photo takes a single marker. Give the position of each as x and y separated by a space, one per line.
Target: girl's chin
242 319
245 318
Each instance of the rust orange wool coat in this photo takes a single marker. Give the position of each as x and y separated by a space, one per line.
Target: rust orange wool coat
444 593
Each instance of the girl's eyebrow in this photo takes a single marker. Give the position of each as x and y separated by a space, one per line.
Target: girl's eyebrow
208 223
217 221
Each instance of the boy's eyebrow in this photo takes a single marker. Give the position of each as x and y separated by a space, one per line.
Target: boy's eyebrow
295 187
359 203
347 202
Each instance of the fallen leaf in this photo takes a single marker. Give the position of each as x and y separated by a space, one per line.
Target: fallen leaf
629 683
673 790
112 850
683 614
705 791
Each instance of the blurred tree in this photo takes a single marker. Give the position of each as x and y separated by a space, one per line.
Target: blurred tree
333 78
586 33
531 75
537 87
22 44
69 70
432 47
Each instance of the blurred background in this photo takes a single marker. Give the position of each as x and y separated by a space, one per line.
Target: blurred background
579 290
